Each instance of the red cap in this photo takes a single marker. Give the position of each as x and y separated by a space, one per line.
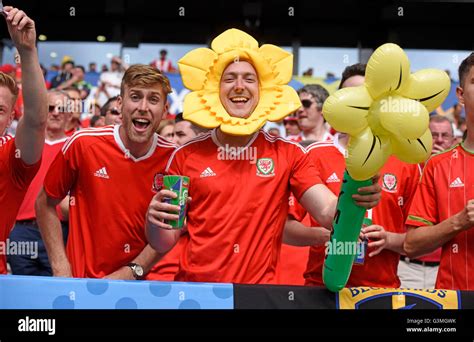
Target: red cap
7 68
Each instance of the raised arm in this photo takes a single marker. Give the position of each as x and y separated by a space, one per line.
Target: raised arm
30 133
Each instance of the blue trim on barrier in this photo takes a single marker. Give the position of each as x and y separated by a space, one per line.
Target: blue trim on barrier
28 292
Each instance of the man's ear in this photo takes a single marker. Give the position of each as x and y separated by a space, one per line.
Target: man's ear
165 110
120 102
460 95
10 119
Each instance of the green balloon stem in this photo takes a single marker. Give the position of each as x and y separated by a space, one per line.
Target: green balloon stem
346 229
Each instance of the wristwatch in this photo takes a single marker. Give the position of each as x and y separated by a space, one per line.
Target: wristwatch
137 270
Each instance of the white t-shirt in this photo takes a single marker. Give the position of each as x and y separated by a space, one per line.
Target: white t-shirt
113 79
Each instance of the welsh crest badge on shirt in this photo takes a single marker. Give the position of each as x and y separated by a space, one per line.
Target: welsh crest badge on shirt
389 182
265 167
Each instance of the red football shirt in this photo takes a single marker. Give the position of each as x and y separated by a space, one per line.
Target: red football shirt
240 205
398 181
15 178
50 150
110 192
446 186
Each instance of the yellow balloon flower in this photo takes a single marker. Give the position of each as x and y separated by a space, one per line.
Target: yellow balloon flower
389 113
201 70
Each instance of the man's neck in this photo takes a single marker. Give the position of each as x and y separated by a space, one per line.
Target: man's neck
317 133
232 140
53 135
72 124
137 150
343 140
469 142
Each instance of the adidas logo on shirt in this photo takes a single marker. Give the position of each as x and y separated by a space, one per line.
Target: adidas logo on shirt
102 173
457 183
208 173
333 178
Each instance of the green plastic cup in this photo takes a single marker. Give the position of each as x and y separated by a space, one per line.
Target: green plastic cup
179 185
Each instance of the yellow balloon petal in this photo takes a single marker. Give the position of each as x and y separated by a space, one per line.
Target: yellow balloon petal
194 67
400 116
231 39
367 154
347 109
388 69
413 150
281 62
428 86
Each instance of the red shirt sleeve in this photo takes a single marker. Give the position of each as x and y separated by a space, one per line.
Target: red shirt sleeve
20 173
423 210
296 211
304 173
62 173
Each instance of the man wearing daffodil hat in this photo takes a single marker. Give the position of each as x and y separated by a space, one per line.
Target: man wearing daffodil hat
240 177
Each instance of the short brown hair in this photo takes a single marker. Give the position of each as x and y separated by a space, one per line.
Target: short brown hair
142 75
357 69
8 82
464 68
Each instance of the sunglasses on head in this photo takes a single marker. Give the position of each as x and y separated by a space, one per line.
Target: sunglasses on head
307 103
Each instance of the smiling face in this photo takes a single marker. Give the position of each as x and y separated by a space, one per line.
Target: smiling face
465 94
142 111
310 114
57 112
239 89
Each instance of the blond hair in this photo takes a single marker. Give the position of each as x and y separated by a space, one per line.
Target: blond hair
141 75
8 82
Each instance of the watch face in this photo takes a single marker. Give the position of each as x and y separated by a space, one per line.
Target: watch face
139 270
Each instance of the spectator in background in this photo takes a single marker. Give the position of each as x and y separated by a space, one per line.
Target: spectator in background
93 67
163 63
66 72
26 229
308 72
443 134
104 68
97 121
292 129
110 111
185 130
310 114
75 107
109 84
77 81
166 129
95 109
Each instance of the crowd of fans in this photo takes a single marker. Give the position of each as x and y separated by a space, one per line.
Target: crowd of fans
387 264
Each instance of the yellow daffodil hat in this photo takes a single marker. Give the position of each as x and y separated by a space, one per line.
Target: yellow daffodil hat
201 70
